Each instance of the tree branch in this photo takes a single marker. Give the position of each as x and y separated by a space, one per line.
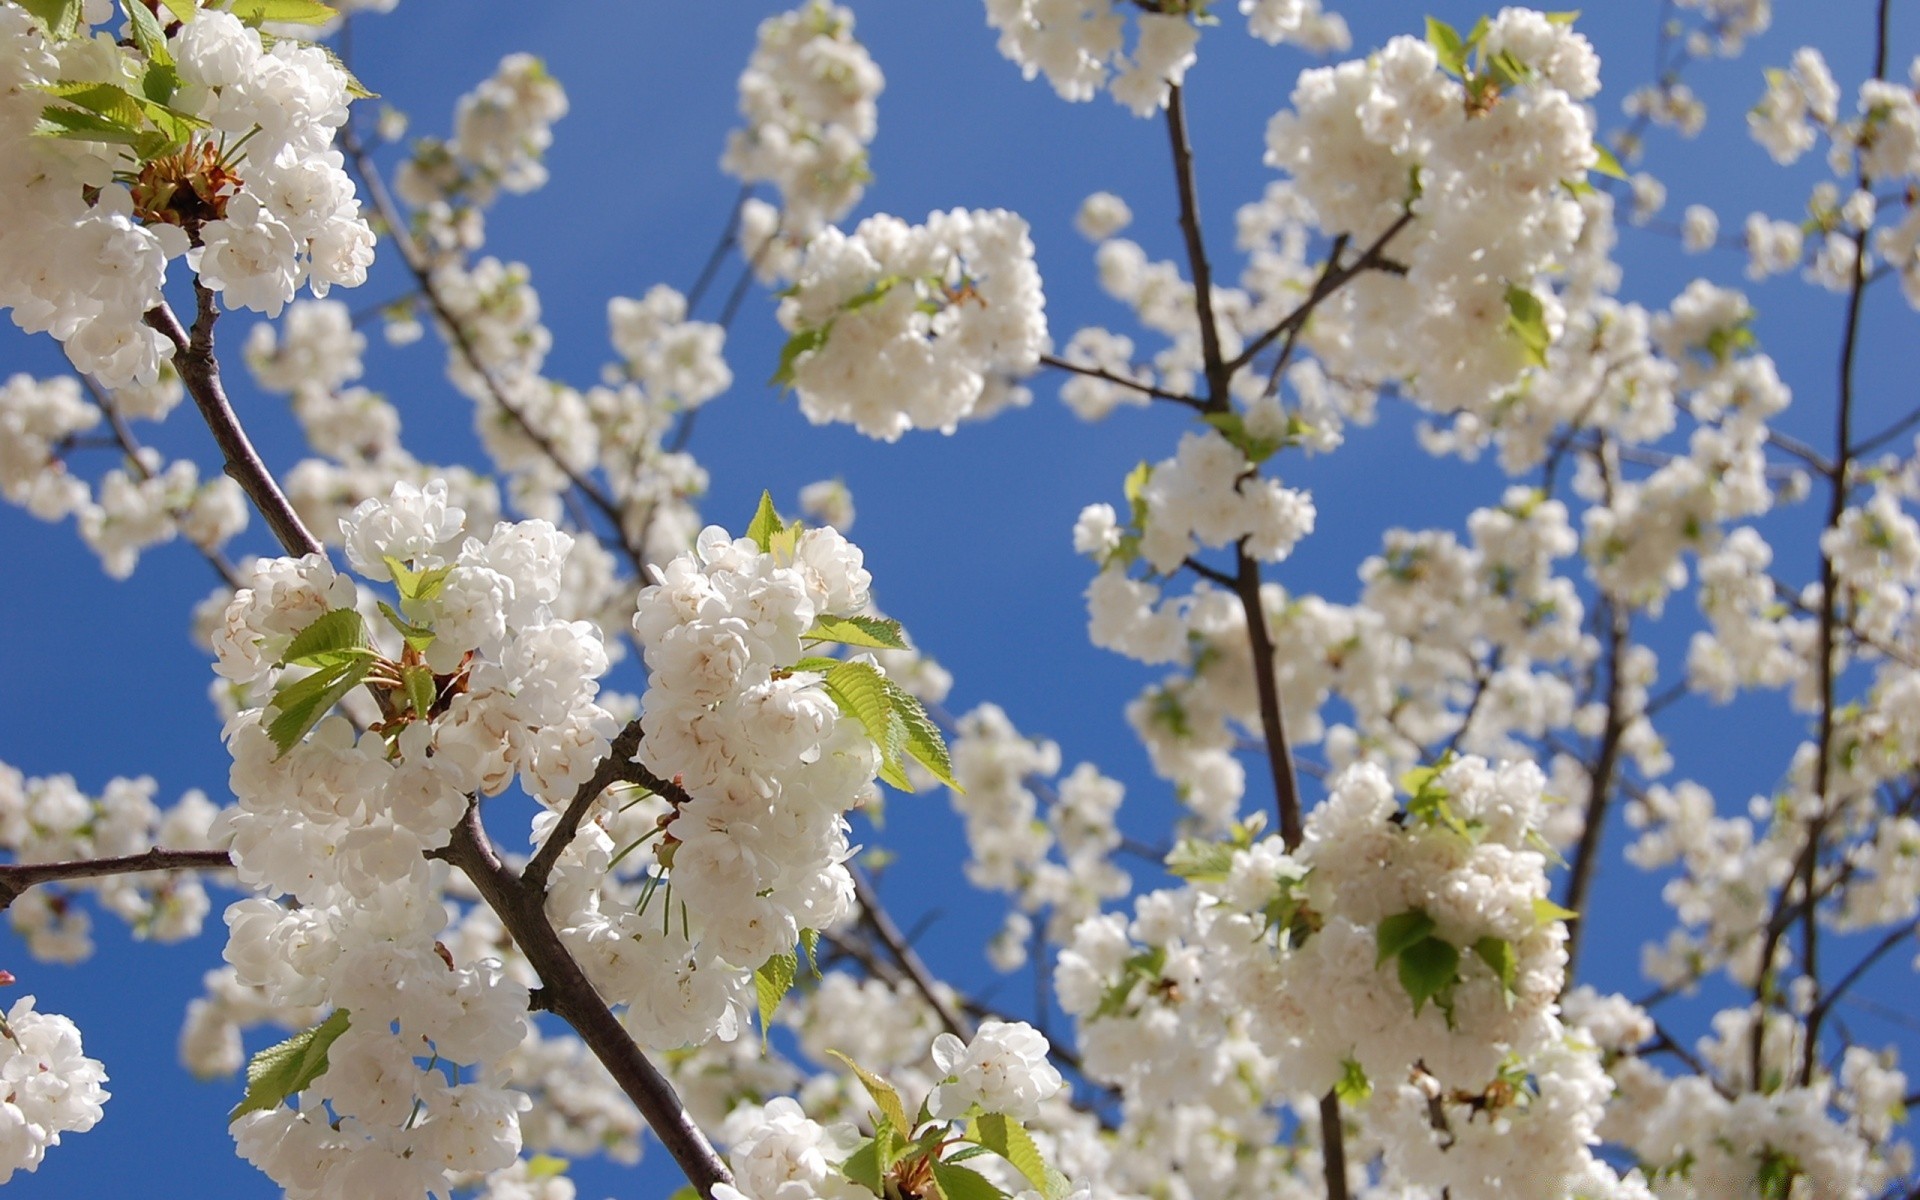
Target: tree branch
875 916
1061 364
1600 780
16 878
617 767
1216 370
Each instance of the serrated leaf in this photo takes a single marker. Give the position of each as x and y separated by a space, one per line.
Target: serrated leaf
1606 164
115 103
1010 1140
303 703
147 34
885 1098
771 983
285 1069
803 342
1201 861
1546 912
58 17
875 633
333 637
418 637
1448 46
810 943
160 80
421 691
861 693
1353 1086
963 1183
1399 931
78 125
1428 969
283 12
863 1166
1498 954
1527 320
417 585
766 522
923 739
817 664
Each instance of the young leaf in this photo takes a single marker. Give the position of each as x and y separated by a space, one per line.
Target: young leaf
301 704
1448 46
1400 931
79 125
116 104
421 692
416 585
884 1097
418 637
1605 163
1497 953
1009 1139
59 17
924 742
283 12
1201 861
286 1069
546 1166
772 981
818 664
147 33
876 633
1353 1087
182 10
863 1166
804 342
963 1183
810 943
766 522
1546 911
1428 969
334 636
861 693
1527 320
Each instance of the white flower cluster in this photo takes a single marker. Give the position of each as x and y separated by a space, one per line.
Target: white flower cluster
51 820
1002 1069
1481 163
1080 45
808 99
899 326
341 820
47 1086
676 362
251 194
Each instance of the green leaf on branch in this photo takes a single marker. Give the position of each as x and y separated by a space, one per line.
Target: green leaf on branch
924 742
60 18
287 1068
1142 967
771 983
416 585
876 633
1428 970
111 101
1353 1086
418 637
765 523
159 82
1010 1140
804 342
1448 46
1527 320
147 33
1563 18
336 636
1545 912
1201 861
1606 163
1399 931
874 294
182 10
810 944
1135 490
860 692
283 12
863 1166
302 703
421 690
816 664
963 1183
885 1098
1498 954
79 125
1233 427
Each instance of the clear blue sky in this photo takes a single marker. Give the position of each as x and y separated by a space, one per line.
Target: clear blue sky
967 537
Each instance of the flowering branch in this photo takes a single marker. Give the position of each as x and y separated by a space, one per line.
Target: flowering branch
617 767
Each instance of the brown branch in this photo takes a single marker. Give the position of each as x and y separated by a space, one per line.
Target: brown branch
200 371
1217 374
617 767
16 878
568 993
1286 786
1061 364
1600 781
875 916
1332 278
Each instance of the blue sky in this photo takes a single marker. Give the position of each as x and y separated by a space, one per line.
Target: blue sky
967 536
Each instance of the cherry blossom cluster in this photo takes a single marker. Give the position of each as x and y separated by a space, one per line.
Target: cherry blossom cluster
1081 46
807 97
49 819
897 326
229 165
50 1087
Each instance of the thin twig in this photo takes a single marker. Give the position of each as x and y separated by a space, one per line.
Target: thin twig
876 917
1061 364
616 767
16 878
1217 374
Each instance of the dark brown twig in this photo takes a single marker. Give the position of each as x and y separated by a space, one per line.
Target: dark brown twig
16 878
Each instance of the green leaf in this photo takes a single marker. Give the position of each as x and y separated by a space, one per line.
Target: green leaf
1142 967
1399 931
1010 1140
1545 912
1478 33
1201 861
416 585
421 692
147 33
1428 969
924 742
160 81
1563 18
1448 46
59 17
116 104
817 664
861 693
1353 1086
1606 163
286 1069
302 703
1508 71
546 1166
1135 490
766 522
884 1097
283 12
1527 320
876 633
963 1183
772 981
874 294
78 125
804 342
810 942
182 10
1233 427
335 636
863 1166
1498 954
418 637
